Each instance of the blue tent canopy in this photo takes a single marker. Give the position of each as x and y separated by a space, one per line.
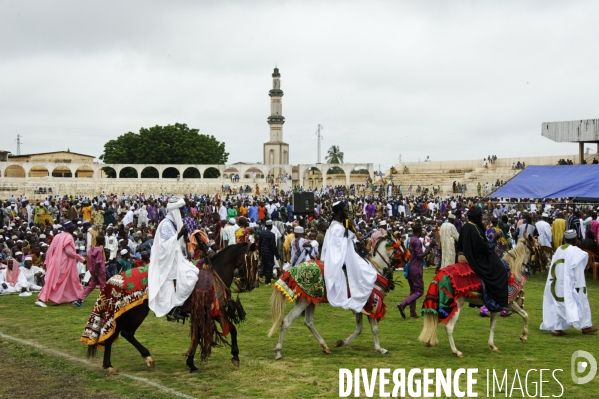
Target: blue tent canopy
561 181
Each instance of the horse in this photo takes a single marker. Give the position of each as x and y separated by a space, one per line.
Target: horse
229 264
383 261
518 260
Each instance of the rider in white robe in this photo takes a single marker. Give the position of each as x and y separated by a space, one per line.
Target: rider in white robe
337 251
168 263
565 303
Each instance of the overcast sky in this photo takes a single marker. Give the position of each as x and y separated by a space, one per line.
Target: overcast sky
445 79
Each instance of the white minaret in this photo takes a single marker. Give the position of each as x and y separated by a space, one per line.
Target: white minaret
276 118
276 152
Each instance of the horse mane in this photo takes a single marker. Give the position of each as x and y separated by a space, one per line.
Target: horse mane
226 251
515 256
377 243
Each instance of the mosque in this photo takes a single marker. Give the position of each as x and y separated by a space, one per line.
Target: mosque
276 151
68 172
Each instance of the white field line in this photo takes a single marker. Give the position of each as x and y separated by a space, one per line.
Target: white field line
88 363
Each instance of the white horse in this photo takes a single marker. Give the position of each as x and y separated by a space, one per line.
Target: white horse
517 258
381 259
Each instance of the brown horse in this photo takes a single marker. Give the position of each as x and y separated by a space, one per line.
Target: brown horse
231 263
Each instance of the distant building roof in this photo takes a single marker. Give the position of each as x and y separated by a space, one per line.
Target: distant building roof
51 152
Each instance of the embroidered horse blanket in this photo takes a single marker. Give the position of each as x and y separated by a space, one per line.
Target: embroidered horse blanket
122 292
306 280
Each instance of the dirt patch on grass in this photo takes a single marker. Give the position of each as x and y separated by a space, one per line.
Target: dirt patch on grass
26 374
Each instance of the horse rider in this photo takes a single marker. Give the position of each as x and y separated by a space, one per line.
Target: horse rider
338 252
168 263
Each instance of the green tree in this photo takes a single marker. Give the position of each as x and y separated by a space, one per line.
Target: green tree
335 170
334 155
172 144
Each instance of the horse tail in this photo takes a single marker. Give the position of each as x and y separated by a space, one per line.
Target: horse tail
431 318
91 351
277 310
429 330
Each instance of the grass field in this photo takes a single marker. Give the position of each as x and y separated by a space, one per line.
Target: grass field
304 372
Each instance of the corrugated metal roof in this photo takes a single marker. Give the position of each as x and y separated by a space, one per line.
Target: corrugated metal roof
53 152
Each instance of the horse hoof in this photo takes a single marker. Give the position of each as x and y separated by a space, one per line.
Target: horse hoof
278 356
193 371
325 349
112 370
339 343
235 362
495 350
459 355
523 340
383 351
428 345
150 362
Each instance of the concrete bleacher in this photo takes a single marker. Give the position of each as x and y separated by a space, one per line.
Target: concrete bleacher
468 172
444 178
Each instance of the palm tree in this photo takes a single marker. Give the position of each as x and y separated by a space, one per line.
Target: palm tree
334 155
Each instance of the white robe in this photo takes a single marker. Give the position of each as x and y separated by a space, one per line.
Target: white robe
278 240
11 289
228 233
112 245
294 257
128 218
143 216
337 251
222 211
167 263
30 276
545 234
563 305
306 253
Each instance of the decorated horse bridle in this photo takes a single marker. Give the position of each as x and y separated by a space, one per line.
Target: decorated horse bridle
251 276
376 251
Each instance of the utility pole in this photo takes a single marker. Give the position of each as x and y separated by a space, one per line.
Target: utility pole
18 144
399 158
319 139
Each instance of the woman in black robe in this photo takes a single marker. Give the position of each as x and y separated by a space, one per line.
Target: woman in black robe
474 245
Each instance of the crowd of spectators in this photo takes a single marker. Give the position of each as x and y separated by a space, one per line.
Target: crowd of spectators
128 222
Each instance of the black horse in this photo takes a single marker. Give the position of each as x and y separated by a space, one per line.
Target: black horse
229 264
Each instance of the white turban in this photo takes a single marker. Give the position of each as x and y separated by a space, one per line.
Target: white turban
175 203
173 212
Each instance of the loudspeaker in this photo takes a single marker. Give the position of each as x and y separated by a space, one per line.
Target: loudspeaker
303 203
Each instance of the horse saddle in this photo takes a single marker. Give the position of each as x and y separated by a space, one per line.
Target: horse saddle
204 284
205 280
